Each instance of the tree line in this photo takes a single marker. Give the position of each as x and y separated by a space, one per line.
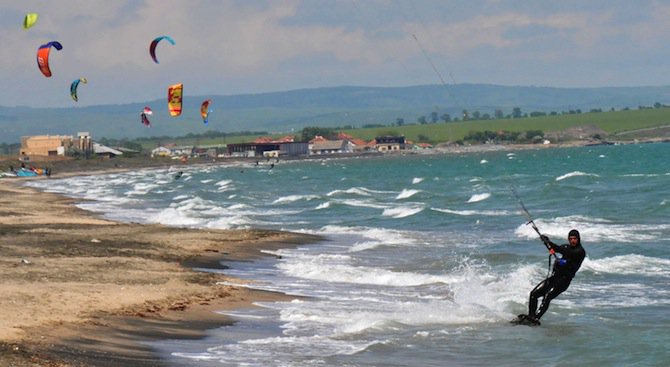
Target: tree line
516 113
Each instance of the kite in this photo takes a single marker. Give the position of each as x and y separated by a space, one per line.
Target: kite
143 116
43 56
154 43
204 110
175 93
30 20
73 87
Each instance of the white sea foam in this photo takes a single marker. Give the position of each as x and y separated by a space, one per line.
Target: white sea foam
642 175
174 217
278 351
402 211
380 236
479 197
337 268
224 183
632 264
593 229
353 190
364 246
325 205
417 180
292 198
483 161
141 188
407 193
493 213
575 174
363 203
615 295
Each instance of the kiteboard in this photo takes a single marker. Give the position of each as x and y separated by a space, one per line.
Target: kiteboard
524 320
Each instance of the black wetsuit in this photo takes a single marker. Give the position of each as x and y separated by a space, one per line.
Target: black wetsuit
564 270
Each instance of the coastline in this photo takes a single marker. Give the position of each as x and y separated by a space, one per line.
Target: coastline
83 291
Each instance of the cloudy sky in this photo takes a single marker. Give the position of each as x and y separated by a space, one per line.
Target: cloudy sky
254 46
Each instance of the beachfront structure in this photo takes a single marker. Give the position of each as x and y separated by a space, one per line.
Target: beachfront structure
282 149
104 151
390 143
173 151
331 147
160 152
55 145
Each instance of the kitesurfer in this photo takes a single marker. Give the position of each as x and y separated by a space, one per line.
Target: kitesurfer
564 270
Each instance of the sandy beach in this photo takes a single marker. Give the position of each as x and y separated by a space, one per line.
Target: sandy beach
83 291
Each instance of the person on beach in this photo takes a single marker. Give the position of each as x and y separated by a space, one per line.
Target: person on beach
564 270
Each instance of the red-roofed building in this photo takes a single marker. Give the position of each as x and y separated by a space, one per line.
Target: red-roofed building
267 139
317 138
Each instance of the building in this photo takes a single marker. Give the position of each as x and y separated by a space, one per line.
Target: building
103 151
285 149
160 152
331 147
389 143
56 145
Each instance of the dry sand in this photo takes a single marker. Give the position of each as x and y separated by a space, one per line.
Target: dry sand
78 290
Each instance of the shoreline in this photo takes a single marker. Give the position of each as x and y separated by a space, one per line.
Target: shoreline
79 290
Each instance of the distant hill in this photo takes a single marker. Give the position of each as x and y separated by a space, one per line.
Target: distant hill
337 106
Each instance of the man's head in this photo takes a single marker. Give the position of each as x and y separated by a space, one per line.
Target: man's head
573 237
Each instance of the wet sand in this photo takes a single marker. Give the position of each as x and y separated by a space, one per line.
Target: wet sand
78 290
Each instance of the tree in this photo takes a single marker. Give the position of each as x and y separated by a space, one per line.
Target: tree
498 114
400 121
308 133
476 115
422 120
445 117
423 138
465 115
433 117
516 112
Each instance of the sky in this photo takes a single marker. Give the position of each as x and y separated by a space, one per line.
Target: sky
253 46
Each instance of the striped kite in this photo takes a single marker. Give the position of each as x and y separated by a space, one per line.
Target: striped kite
204 110
175 93
143 116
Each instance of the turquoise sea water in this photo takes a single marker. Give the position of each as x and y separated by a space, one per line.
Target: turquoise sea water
427 257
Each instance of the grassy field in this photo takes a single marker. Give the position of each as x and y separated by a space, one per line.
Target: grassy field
613 123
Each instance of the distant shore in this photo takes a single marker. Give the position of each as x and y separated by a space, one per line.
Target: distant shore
62 166
82 291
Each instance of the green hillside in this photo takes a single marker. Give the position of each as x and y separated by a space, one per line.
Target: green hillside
612 122
290 111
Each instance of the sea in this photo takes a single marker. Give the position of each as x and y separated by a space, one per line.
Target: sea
426 257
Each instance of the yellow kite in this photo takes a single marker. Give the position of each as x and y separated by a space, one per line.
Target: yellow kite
30 20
